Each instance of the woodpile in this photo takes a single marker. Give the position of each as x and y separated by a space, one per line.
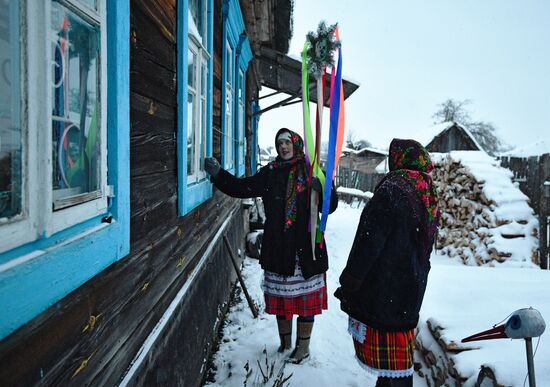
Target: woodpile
469 222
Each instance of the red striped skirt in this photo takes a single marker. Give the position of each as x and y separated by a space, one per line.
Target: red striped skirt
309 304
391 352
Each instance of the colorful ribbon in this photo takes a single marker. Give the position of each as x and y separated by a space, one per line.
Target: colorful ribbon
336 133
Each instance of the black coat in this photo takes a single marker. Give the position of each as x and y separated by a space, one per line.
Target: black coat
280 247
385 278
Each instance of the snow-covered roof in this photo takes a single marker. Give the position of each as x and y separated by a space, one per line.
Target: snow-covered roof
366 149
432 132
536 148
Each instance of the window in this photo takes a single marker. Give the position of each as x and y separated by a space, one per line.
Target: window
194 89
55 190
11 158
236 54
197 75
78 149
241 139
228 127
69 94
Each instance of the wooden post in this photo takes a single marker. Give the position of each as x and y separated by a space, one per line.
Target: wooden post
241 281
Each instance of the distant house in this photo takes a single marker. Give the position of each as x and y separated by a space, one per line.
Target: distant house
266 155
364 160
452 136
358 168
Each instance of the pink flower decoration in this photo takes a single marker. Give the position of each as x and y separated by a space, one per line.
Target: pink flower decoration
421 185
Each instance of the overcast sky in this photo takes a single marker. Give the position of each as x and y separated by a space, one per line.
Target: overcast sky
411 55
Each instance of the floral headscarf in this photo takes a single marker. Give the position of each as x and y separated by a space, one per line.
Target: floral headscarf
297 176
410 160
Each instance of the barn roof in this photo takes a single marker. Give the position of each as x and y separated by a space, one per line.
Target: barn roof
445 128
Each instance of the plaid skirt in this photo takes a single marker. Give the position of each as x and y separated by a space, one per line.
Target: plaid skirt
387 354
293 294
309 304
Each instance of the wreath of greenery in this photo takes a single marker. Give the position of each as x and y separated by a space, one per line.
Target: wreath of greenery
322 46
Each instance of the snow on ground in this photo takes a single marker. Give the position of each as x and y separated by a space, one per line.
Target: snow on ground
464 300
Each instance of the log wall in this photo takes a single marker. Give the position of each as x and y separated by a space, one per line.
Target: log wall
91 336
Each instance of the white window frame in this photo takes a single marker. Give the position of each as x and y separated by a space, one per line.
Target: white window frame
229 106
199 112
241 139
38 218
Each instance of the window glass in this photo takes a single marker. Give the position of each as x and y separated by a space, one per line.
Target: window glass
10 119
76 120
190 133
229 106
196 20
203 112
90 3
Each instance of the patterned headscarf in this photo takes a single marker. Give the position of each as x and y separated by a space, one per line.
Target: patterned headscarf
409 159
297 176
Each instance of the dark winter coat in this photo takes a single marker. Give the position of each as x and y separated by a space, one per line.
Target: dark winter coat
280 247
384 280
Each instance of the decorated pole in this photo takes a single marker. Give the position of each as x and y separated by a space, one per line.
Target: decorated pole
316 57
336 132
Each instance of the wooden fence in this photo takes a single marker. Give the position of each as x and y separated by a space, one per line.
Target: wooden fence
351 178
533 176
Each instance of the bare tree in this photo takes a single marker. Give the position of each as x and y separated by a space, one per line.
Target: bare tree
484 132
350 138
353 143
453 111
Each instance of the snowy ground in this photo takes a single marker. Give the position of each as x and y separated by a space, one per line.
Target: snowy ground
464 300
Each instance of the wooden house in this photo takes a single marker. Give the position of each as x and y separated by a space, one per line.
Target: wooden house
358 168
452 136
113 269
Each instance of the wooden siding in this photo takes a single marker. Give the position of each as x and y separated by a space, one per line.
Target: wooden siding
91 336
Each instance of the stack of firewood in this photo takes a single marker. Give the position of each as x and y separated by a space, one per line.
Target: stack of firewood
469 222
436 359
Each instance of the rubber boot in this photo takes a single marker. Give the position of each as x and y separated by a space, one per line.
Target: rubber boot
285 334
301 352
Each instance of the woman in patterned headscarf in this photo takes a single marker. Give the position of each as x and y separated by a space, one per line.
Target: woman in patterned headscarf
383 283
294 280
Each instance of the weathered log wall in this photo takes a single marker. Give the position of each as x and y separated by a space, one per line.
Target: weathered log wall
92 335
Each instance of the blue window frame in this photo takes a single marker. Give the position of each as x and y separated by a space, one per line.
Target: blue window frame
66 245
254 146
244 55
236 54
194 138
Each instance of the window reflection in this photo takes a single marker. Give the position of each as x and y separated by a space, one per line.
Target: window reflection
76 107
10 111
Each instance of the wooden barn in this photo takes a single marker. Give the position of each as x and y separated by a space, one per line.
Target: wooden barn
452 136
113 269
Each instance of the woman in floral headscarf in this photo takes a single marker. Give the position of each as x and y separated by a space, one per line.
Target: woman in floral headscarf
294 280
383 283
